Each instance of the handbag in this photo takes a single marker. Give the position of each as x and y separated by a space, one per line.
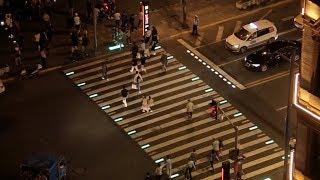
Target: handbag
134 86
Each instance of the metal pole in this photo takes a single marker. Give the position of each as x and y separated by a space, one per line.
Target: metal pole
184 14
287 120
95 14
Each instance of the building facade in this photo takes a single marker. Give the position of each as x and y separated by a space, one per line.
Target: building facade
306 94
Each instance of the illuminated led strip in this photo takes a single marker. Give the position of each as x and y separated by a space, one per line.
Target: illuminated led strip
118 46
269 142
208 90
174 175
93 95
211 68
169 57
237 114
131 132
105 107
195 78
145 146
70 73
118 119
253 128
267 179
295 99
157 47
223 102
182 67
81 84
159 160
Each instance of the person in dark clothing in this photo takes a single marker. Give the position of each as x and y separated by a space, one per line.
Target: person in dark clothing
131 22
134 50
124 95
143 62
154 39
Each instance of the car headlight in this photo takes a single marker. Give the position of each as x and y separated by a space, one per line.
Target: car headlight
255 65
236 46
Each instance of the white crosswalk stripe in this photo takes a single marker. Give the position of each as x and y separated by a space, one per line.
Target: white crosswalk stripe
167 131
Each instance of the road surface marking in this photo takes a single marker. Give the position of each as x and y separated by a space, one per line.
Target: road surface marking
186 127
237 27
214 66
267 79
154 96
287 31
180 129
134 118
229 62
235 17
287 18
281 108
199 141
265 169
189 135
220 33
265 15
226 152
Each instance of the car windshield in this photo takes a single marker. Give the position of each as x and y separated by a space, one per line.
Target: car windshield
242 34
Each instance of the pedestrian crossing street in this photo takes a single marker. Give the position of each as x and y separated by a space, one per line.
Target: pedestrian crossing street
166 131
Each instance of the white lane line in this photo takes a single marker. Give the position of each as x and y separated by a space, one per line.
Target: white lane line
199 141
153 95
265 15
171 67
265 169
189 135
246 166
220 33
208 148
180 129
154 80
287 31
160 118
287 18
111 68
243 147
99 60
214 66
174 122
281 108
159 110
229 62
236 17
238 26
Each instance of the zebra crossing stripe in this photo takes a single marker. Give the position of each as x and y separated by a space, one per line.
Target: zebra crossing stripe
173 105
265 169
127 81
98 70
220 33
162 101
194 143
208 148
177 80
160 118
171 123
154 96
189 126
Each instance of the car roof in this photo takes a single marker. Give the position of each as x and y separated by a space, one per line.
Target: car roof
261 24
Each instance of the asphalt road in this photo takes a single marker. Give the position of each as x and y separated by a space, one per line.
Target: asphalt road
49 114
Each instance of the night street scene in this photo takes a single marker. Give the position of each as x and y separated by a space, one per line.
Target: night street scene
160 89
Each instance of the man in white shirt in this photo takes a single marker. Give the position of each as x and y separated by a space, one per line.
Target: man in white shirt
195 25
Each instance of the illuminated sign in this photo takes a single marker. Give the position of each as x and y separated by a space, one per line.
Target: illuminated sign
145 11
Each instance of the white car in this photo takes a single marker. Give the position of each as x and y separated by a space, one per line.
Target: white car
2 88
252 35
298 21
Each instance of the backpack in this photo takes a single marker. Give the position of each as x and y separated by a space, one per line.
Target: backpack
124 93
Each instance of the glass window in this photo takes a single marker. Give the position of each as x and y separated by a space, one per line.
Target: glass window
254 35
263 32
242 34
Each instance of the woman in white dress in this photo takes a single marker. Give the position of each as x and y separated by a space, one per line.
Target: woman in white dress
144 106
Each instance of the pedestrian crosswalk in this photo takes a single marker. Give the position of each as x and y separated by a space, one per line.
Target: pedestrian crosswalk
166 131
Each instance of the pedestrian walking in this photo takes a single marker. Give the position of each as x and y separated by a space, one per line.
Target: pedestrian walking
124 95
168 166
124 19
134 65
131 23
189 168
144 106
147 36
158 171
37 41
127 33
136 81
134 50
104 71
154 40
195 25
85 42
212 158
143 62
164 61
193 156
76 21
216 148
74 41
189 107
117 19
150 103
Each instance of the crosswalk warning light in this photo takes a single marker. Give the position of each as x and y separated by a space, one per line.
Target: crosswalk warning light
225 170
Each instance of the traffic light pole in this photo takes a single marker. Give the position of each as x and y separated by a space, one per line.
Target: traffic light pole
184 13
95 14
